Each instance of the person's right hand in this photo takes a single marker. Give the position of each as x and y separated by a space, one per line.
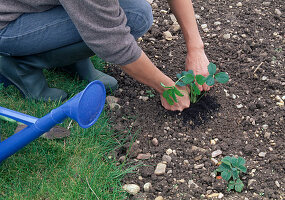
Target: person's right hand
183 102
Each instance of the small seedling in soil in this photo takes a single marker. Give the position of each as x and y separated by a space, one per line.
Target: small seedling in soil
149 93
229 170
188 78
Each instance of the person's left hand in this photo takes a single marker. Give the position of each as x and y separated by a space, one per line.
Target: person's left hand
197 61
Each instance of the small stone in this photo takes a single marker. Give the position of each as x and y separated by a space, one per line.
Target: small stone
267 135
143 156
192 184
160 169
227 36
159 198
264 126
144 98
166 158
250 182
216 153
262 154
154 5
112 99
283 98
198 166
214 161
266 3
154 142
203 26
278 12
169 151
181 181
264 78
277 184
147 187
122 159
150 1
197 16
186 162
217 23
175 27
239 106
212 142
213 195
221 195
239 4
131 188
167 35
173 18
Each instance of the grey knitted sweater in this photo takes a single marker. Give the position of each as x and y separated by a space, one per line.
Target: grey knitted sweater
101 24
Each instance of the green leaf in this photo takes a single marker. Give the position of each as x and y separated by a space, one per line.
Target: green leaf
225 167
165 94
190 72
242 168
234 161
227 160
226 175
239 185
188 78
212 68
231 185
241 161
172 94
222 77
184 73
196 89
235 174
177 92
210 80
200 79
178 75
181 84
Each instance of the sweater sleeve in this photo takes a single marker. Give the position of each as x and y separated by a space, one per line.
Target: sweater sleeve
102 26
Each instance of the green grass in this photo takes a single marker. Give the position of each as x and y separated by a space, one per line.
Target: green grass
78 167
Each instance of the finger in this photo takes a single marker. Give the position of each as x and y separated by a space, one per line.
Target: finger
200 87
206 87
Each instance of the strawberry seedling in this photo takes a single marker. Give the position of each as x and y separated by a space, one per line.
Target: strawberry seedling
230 169
189 79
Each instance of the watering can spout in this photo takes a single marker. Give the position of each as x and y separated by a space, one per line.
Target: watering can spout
85 108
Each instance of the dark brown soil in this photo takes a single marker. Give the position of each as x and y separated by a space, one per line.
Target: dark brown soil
254 57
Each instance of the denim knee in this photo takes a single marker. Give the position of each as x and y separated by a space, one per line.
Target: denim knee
140 19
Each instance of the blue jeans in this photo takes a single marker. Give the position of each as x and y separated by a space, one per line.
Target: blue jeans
39 32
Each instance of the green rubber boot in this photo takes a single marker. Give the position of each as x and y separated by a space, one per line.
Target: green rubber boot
26 74
86 71
29 80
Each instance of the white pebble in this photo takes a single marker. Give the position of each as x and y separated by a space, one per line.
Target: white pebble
147 187
227 36
265 126
262 154
278 12
217 23
239 4
203 26
131 188
169 151
216 153
239 106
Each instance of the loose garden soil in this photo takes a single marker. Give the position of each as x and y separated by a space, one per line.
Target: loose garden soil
244 117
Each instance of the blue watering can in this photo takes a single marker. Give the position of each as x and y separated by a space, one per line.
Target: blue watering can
85 108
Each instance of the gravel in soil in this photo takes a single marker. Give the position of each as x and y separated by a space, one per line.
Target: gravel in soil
244 117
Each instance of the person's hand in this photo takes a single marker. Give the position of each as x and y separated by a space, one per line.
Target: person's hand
183 102
197 61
